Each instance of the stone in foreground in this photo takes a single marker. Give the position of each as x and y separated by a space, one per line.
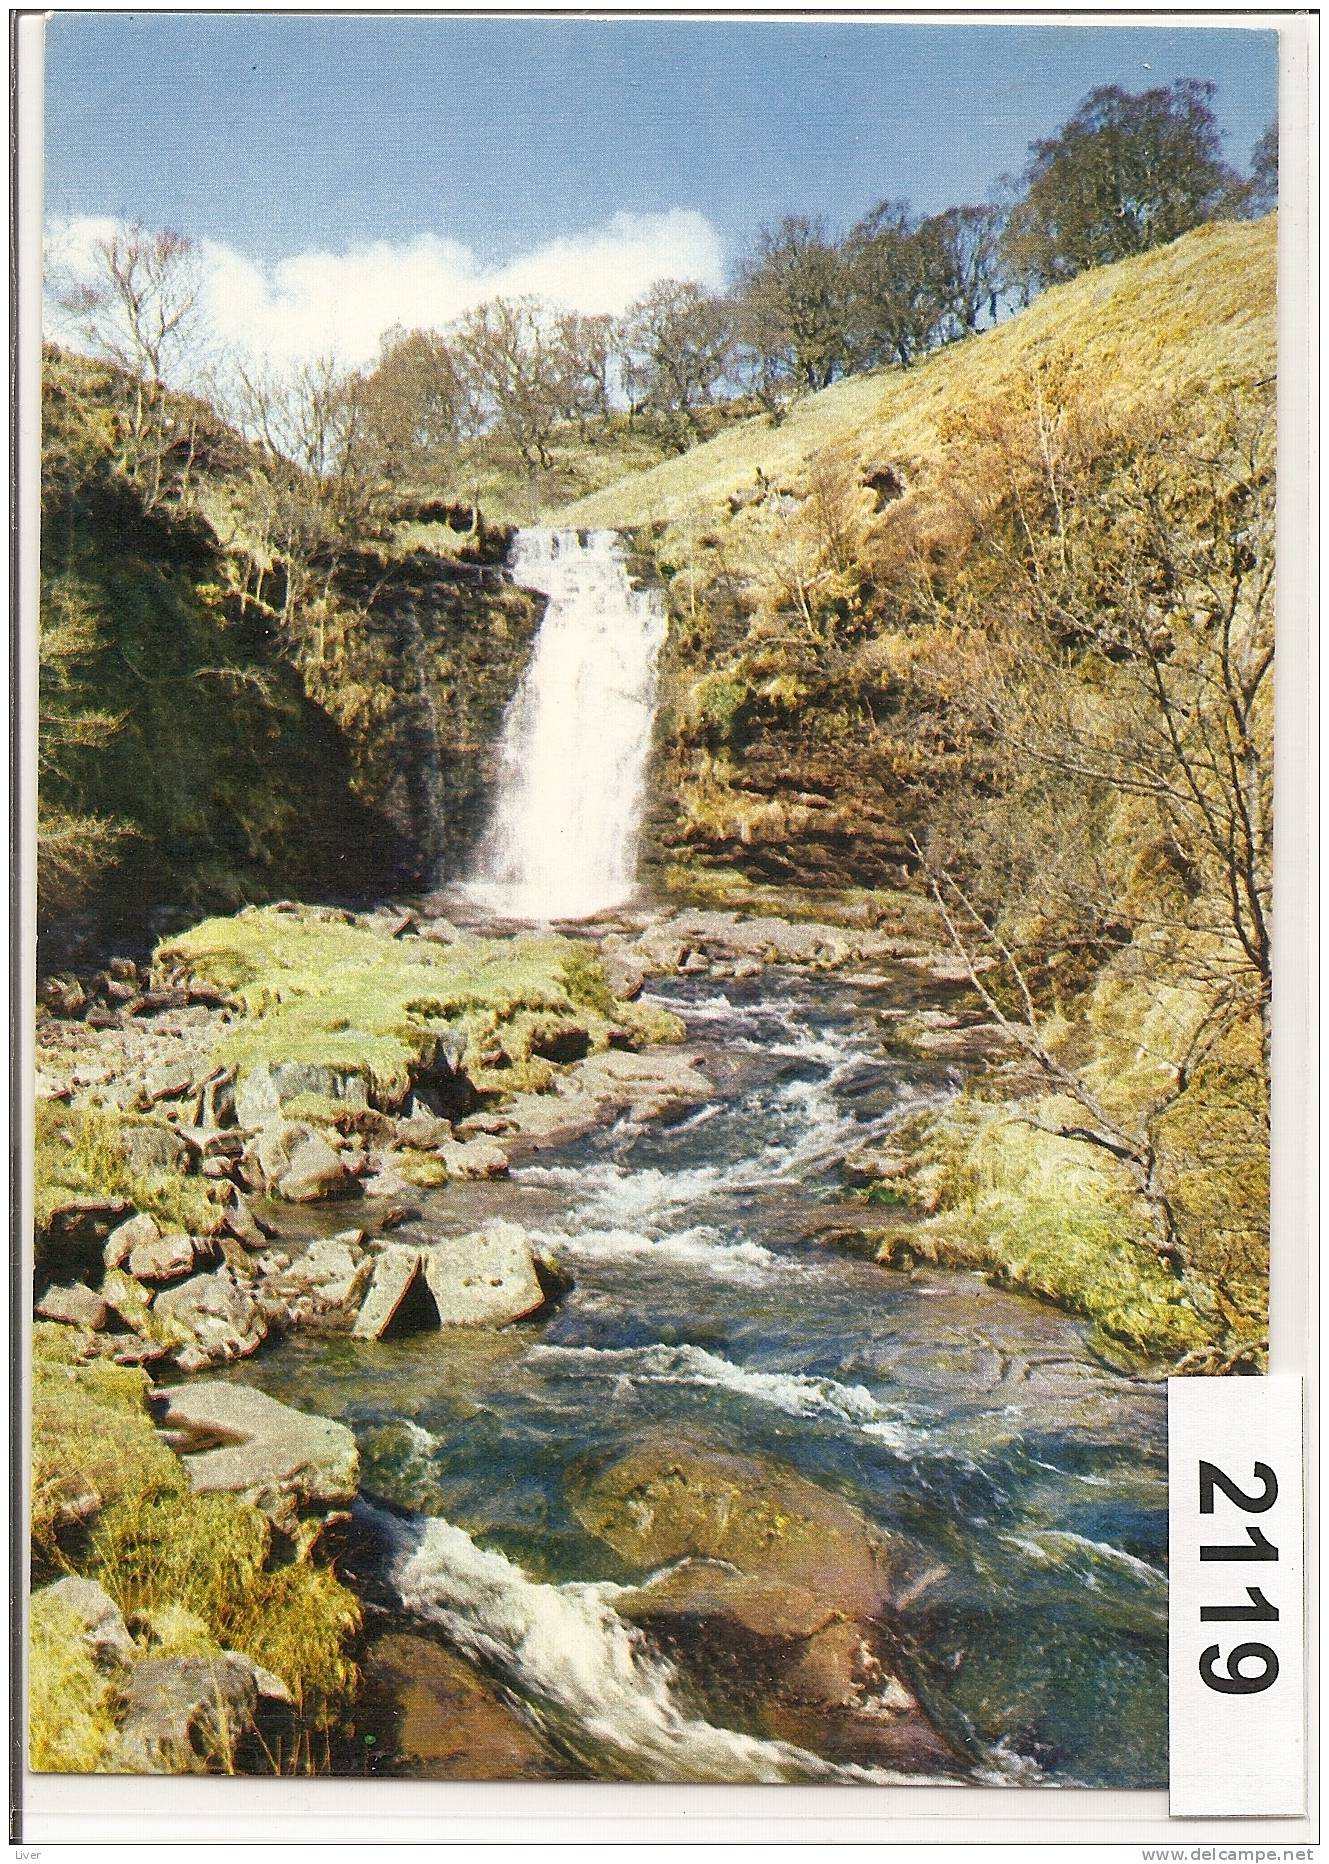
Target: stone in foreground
189 1714
286 1462
99 1618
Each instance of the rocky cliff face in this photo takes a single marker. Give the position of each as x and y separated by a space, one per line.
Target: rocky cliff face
439 646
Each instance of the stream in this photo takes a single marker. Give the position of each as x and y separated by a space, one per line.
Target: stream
1025 1480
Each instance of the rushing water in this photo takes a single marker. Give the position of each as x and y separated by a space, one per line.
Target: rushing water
562 843
1026 1480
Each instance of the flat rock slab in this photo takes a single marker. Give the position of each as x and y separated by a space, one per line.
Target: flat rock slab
76 1306
238 1441
486 1278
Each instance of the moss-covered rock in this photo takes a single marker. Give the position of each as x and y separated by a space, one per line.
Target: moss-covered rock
400 1012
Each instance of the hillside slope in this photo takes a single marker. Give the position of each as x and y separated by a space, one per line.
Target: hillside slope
804 560
1199 314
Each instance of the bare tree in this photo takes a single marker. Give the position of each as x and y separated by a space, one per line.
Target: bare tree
678 344
316 488
514 363
588 346
794 306
142 310
417 405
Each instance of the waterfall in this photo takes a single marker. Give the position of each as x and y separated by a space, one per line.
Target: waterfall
562 841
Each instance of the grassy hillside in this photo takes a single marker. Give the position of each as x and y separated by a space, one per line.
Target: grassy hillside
1003 622
1199 315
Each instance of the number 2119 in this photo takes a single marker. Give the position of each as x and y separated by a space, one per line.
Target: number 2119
1232 1681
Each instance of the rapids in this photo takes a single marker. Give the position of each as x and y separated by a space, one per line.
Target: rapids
1026 1479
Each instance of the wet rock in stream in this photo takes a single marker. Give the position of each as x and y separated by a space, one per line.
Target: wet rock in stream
775 1597
429 1714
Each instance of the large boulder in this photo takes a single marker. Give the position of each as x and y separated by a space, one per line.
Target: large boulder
487 1278
190 1714
774 1594
213 1318
314 1170
665 1502
235 1440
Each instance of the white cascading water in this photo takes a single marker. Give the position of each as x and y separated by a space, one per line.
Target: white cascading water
580 1668
562 842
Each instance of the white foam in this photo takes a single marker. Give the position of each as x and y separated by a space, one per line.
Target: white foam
700 1248
797 1394
1044 1548
582 1671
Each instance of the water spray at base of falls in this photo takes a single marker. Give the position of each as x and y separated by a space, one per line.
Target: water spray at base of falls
562 840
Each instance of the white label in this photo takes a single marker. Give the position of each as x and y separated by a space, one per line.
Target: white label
1236 1612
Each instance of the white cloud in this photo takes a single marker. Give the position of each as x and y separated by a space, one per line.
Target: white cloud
315 302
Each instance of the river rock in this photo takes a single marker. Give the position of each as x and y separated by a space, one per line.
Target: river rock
313 1171
487 1278
776 1593
624 973
423 1130
324 1285
167 1258
215 1318
664 1502
446 1721
189 1714
294 1162
473 1158
437 931
101 1625
75 1306
168 1081
239 1221
236 1440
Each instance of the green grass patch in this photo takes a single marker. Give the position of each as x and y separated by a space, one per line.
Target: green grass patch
200 1569
69 1699
346 997
79 1152
1048 1219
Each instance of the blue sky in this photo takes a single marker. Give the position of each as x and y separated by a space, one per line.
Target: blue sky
480 145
